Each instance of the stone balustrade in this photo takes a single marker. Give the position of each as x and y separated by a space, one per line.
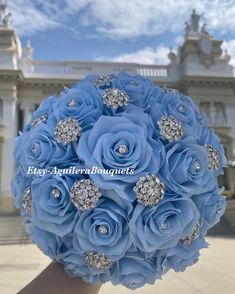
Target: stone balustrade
80 69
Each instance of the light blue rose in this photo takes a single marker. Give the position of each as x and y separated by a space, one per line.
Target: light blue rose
181 108
44 109
50 244
163 225
86 106
212 207
76 266
186 169
139 89
134 271
112 213
39 148
99 147
91 80
18 185
57 215
179 257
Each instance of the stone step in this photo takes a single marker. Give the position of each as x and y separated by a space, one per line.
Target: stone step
12 231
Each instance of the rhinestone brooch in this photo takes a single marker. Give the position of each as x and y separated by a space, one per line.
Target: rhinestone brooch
114 98
103 81
85 194
36 122
149 190
67 131
98 260
27 200
195 235
213 157
170 128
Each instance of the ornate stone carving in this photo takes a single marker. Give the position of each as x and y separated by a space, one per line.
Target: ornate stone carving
27 51
5 17
192 27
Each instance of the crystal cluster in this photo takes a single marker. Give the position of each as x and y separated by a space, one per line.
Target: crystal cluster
27 200
122 149
103 230
197 165
114 98
85 194
195 234
67 131
98 260
149 190
181 108
103 81
213 157
72 103
55 192
36 122
170 128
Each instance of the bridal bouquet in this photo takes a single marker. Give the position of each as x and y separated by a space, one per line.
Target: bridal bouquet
117 179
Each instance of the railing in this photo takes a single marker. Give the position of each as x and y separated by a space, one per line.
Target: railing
80 69
154 71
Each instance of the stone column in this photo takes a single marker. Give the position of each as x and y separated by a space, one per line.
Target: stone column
9 133
27 109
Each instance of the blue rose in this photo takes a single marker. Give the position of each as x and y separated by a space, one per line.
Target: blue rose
82 103
57 215
181 108
212 207
44 109
18 185
92 79
50 244
111 214
179 257
134 271
163 225
99 147
208 136
76 266
39 148
139 89
186 169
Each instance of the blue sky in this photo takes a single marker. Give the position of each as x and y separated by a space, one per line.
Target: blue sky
116 30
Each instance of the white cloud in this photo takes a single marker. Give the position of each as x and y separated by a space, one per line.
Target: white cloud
28 19
121 19
146 55
230 46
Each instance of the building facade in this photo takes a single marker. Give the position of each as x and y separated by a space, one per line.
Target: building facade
199 69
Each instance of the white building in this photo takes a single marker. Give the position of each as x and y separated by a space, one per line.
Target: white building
200 69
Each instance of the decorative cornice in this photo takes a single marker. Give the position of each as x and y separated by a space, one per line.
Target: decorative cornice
45 82
11 75
208 80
